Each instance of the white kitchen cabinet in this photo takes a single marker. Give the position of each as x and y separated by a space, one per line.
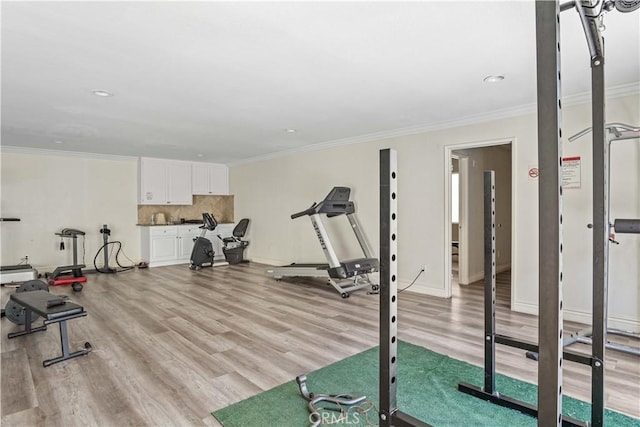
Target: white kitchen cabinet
164 182
173 244
186 236
159 245
209 179
179 183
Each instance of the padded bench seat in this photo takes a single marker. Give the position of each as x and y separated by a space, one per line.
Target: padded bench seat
42 303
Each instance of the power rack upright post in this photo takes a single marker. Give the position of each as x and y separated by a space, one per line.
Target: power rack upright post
390 415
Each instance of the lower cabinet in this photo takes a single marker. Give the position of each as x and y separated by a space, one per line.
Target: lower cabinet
173 244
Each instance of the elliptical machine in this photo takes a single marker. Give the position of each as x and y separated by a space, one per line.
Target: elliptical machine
202 254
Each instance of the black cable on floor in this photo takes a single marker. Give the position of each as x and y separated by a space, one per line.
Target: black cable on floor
111 271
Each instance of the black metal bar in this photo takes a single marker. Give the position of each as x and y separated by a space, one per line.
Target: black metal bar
512 342
28 314
26 331
64 339
627 226
388 286
27 320
584 359
550 213
489 282
73 315
518 405
600 236
389 413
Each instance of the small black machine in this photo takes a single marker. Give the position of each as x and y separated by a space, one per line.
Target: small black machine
233 246
202 254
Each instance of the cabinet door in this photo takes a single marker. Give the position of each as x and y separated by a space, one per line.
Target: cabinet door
186 236
179 183
185 244
218 179
163 248
153 182
200 178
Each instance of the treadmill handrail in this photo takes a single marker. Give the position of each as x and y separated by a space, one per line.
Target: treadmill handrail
309 211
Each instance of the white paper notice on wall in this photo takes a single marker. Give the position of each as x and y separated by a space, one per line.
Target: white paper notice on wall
571 174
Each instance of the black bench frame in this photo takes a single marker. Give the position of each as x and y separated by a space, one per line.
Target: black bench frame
35 302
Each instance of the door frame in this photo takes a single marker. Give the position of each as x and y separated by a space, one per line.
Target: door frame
462 249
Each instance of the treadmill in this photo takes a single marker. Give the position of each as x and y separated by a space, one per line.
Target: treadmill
345 276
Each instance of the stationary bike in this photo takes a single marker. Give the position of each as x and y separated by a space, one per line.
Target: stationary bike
202 254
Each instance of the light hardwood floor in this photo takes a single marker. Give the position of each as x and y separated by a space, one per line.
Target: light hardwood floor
171 345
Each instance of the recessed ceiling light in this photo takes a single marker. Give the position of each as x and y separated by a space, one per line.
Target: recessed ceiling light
100 92
493 79
200 155
290 130
57 141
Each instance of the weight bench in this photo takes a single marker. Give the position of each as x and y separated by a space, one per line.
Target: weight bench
54 309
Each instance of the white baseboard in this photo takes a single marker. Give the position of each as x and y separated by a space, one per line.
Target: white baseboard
615 322
423 288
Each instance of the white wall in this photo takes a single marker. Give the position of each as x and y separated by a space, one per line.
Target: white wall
49 192
498 159
269 191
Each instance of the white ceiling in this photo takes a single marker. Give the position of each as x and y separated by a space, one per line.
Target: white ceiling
226 79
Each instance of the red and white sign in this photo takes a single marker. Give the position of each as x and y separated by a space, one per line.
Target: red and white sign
534 172
571 172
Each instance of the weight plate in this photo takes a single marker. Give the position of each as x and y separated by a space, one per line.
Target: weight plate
15 313
33 285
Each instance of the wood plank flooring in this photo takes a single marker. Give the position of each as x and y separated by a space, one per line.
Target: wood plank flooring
171 345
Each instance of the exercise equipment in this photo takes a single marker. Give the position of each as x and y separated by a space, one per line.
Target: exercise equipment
69 274
340 401
19 272
489 391
54 309
550 333
583 336
105 247
614 132
550 303
233 246
389 413
16 312
346 276
106 232
202 253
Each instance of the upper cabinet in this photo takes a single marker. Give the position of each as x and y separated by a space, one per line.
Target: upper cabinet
164 182
209 179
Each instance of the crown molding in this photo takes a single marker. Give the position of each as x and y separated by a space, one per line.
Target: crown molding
62 153
568 101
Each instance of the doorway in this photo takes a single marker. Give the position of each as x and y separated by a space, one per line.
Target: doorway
464 220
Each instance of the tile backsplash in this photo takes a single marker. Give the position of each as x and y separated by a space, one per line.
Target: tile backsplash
220 206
